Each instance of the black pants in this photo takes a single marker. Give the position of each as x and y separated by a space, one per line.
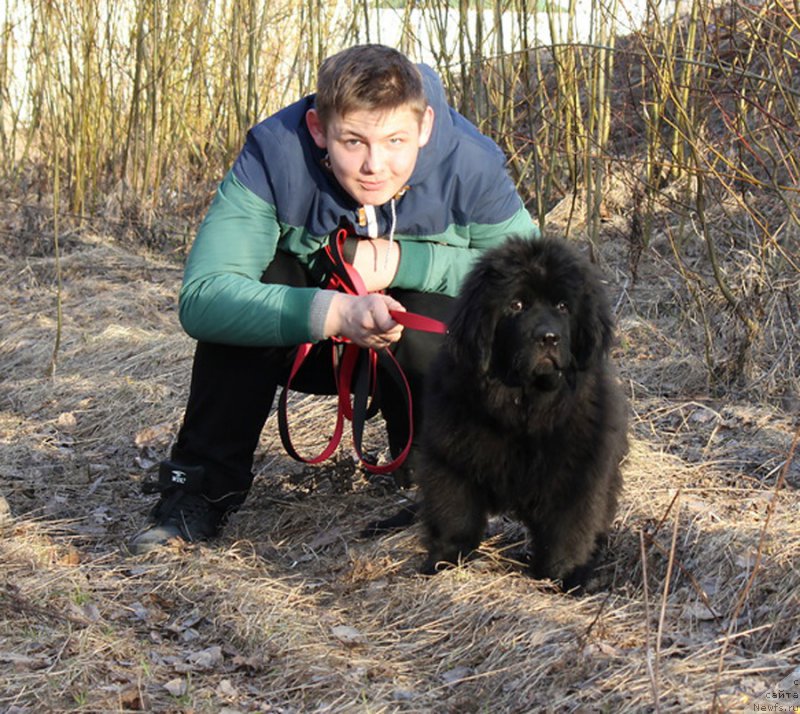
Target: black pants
233 388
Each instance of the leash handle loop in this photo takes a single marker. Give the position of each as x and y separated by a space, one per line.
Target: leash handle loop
283 421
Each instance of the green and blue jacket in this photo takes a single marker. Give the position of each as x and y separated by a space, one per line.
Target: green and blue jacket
279 195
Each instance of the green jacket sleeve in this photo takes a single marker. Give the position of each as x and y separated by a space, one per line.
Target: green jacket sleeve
441 266
222 299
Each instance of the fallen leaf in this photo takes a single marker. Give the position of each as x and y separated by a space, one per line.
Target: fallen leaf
176 687
140 612
456 674
348 635
601 648
206 659
66 421
253 663
91 612
71 556
180 626
698 611
402 695
132 700
226 689
156 435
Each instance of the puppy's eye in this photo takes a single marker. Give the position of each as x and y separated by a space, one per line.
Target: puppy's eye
562 306
516 305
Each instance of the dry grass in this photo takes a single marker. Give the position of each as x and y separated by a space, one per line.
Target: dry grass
697 605
290 611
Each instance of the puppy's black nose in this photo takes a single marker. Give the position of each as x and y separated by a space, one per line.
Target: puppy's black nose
548 339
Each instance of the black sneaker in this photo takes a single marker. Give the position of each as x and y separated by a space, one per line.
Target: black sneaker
182 511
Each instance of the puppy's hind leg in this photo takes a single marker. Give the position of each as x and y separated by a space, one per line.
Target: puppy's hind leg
454 515
576 580
566 551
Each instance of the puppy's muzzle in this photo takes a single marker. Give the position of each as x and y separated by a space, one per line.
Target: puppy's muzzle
547 350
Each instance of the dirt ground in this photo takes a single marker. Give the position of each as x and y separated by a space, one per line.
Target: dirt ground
697 608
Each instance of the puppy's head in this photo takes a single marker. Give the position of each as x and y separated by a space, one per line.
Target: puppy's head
530 312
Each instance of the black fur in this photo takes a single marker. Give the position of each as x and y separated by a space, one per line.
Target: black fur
524 414
402 519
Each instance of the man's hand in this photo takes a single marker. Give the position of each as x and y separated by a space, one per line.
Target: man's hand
364 319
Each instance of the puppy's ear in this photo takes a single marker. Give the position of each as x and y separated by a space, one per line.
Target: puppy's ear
594 330
471 331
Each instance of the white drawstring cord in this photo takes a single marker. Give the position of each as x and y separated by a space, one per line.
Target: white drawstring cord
391 233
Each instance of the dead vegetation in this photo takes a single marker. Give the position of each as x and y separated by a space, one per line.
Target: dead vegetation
696 609
697 605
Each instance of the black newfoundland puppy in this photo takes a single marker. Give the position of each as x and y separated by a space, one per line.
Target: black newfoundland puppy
524 415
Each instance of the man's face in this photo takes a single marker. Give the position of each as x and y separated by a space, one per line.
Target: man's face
372 153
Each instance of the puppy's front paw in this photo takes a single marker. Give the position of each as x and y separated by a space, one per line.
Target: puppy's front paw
429 567
432 566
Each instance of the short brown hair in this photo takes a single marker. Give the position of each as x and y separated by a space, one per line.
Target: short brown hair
371 77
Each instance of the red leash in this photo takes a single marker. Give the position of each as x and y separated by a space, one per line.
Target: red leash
347 365
418 322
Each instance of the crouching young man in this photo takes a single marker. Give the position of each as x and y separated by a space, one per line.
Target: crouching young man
378 148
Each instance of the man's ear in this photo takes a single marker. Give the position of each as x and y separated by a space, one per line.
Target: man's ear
426 126
316 129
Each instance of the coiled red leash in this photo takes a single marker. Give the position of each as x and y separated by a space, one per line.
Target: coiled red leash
355 371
